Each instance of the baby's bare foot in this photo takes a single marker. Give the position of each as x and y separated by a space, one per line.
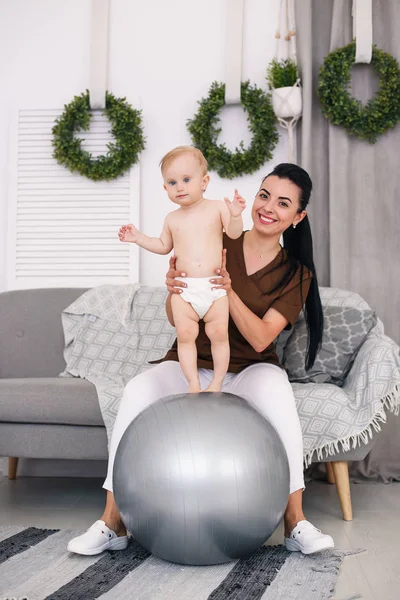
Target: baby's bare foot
215 386
194 388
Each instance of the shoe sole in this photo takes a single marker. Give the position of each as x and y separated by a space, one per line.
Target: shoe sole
293 546
116 544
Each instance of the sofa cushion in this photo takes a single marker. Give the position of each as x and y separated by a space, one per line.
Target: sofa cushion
32 339
345 329
61 400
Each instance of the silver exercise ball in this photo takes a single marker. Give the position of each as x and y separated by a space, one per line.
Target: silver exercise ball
201 479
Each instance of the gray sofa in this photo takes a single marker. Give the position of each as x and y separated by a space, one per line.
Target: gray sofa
43 415
46 416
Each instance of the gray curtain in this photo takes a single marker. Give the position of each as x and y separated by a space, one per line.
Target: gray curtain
355 207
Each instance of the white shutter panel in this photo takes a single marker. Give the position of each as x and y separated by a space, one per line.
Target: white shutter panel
63 227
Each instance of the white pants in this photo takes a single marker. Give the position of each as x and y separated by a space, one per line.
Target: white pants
265 386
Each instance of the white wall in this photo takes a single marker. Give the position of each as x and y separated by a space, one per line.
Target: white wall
163 56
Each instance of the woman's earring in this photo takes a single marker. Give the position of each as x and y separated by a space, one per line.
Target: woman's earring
294 226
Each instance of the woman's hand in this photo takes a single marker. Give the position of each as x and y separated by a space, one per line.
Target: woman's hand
174 286
223 282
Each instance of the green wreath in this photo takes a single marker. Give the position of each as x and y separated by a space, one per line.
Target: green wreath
204 131
126 129
380 113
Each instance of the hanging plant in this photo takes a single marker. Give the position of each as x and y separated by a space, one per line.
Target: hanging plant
368 121
204 131
284 82
282 73
126 129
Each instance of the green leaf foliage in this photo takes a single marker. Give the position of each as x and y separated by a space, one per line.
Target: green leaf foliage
204 130
126 129
379 114
282 73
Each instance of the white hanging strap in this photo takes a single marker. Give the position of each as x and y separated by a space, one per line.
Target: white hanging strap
362 30
278 30
98 54
286 31
290 102
290 125
292 29
233 51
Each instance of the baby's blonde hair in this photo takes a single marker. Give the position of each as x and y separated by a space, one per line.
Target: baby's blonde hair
172 154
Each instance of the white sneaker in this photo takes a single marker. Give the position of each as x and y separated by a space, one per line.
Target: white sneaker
308 539
97 538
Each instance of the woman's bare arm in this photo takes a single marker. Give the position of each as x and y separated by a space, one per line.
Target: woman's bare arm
260 333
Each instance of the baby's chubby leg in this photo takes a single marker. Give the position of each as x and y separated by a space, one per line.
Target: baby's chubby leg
187 329
216 326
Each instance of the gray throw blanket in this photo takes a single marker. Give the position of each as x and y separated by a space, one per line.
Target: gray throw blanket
113 331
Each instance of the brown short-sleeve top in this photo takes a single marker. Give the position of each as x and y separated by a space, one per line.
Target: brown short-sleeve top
258 293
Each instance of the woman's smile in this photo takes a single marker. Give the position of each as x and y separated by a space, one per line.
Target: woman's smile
266 220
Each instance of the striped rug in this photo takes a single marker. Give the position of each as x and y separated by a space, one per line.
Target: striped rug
35 565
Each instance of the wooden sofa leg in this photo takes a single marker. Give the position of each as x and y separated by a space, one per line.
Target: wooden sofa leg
329 473
12 467
341 474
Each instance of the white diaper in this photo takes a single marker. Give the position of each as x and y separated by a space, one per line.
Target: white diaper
199 293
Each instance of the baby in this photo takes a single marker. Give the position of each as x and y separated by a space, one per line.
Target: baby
194 231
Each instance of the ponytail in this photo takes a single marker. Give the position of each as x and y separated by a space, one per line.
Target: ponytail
299 246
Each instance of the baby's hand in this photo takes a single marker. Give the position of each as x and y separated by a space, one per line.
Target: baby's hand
237 206
128 233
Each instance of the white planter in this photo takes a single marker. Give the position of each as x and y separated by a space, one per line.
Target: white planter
287 102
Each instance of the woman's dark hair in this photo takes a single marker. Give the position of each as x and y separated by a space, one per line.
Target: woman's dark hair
299 246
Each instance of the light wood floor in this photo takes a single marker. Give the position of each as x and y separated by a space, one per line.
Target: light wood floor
76 502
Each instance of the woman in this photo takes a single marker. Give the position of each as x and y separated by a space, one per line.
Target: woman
267 287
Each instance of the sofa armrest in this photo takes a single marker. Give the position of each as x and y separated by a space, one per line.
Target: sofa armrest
376 372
